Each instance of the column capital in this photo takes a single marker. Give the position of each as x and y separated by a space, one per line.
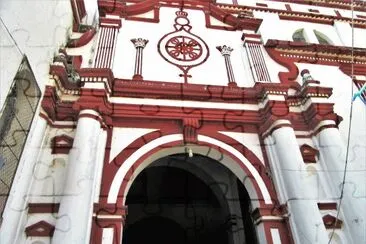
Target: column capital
225 50
92 114
278 124
324 124
139 42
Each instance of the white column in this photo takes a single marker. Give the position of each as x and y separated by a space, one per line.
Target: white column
333 155
15 213
74 216
305 218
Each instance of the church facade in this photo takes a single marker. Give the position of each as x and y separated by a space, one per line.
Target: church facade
228 121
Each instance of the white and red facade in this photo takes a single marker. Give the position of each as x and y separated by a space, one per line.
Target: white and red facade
223 79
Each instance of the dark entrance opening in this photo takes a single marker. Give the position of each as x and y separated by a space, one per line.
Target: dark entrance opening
180 200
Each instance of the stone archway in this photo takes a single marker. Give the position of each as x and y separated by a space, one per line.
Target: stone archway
198 194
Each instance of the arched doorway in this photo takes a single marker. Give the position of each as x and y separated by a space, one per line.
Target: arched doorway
181 199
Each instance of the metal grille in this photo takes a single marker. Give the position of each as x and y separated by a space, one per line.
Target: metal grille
15 120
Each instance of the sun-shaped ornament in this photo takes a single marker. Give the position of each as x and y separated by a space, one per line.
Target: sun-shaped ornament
182 48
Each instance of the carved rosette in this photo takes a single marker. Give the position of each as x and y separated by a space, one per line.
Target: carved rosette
183 48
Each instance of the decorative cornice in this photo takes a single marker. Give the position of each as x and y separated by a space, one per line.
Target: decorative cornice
317 53
340 4
132 10
294 15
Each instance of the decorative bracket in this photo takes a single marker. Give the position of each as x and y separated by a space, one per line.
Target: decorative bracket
190 126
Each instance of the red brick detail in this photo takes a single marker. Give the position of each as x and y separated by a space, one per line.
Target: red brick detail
361 16
62 144
332 222
34 208
327 205
190 127
41 228
308 153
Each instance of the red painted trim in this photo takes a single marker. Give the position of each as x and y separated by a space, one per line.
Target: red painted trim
84 39
34 208
95 117
97 100
40 229
276 128
118 8
248 35
108 22
270 210
342 4
261 5
293 71
154 19
327 205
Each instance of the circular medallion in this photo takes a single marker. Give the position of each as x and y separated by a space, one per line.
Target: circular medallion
183 48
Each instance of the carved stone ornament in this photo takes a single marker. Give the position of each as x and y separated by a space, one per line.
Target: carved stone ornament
183 48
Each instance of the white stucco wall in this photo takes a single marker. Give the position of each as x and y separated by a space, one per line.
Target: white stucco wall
28 21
